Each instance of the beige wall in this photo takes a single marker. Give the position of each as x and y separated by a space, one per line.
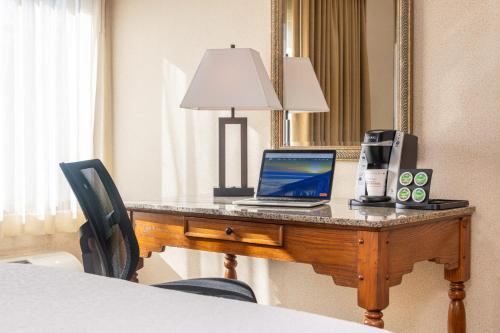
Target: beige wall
157 47
456 117
457 99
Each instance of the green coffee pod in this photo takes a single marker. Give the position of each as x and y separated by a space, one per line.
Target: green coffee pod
421 178
405 178
419 195
404 194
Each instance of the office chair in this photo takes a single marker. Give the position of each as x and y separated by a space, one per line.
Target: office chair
107 239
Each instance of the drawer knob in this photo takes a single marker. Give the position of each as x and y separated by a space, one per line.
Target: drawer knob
229 231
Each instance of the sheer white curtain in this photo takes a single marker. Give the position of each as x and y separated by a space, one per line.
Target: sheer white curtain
49 51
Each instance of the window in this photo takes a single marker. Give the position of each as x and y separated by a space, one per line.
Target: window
48 70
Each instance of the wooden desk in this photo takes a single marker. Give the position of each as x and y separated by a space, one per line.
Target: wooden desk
369 248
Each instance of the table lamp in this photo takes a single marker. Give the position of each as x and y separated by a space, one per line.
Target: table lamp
231 79
301 91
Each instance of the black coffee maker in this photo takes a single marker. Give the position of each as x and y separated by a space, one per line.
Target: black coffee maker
384 149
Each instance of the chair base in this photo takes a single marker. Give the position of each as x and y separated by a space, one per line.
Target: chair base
216 287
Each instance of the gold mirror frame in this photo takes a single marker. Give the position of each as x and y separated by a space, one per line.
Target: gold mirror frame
403 78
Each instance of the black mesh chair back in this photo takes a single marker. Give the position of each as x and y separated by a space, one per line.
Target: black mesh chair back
107 239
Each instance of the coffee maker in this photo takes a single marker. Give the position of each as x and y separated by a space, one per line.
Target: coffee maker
384 149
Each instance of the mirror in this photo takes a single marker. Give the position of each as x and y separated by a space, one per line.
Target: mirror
360 51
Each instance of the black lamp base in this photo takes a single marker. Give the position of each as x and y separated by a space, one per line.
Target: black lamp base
233 192
222 190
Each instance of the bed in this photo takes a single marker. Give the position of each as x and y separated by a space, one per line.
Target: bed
42 299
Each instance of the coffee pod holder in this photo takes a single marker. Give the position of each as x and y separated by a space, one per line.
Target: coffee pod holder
414 186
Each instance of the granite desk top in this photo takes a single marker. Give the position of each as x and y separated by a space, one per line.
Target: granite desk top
337 212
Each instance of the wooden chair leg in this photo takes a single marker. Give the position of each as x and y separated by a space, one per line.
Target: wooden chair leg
230 264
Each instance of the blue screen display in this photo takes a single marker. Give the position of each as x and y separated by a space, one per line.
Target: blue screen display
290 174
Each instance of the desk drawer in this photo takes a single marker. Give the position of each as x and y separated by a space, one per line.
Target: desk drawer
244 232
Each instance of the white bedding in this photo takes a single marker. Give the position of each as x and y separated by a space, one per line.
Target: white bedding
43 300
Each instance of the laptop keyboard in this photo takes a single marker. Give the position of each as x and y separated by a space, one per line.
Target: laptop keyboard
289 199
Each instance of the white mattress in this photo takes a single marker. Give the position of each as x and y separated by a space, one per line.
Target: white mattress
41 299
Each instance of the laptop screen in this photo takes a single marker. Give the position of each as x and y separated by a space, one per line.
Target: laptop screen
297 174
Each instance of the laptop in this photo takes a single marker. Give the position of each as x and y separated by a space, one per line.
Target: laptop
294 178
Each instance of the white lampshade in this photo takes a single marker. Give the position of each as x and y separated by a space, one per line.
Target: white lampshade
231 78
301 89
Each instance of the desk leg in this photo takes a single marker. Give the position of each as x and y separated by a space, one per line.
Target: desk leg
373 284
140 264
456 310
230 263
457 277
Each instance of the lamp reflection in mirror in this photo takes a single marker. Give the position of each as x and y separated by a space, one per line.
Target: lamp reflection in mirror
301 91
231 79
